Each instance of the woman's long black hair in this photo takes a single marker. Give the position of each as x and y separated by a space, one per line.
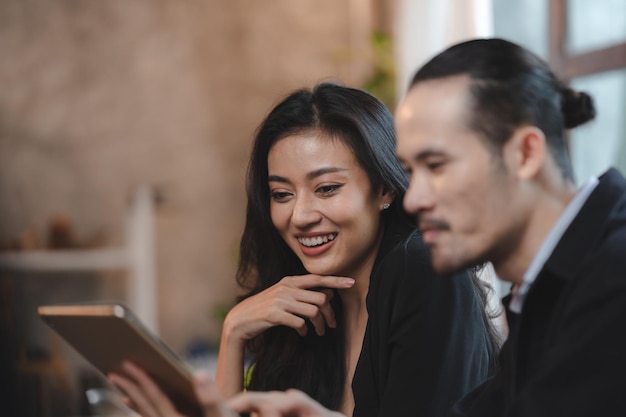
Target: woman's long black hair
283 359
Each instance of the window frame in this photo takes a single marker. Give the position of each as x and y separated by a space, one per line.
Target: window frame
568 65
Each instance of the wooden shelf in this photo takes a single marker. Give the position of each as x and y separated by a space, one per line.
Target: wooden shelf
65 260
136 256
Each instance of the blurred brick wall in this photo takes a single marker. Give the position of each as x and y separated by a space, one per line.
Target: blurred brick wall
98 97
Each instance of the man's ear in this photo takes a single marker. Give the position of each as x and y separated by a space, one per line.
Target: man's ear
526 151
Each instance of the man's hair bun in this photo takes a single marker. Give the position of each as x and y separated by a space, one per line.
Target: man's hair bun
577 107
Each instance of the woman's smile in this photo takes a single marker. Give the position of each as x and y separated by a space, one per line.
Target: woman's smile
315 245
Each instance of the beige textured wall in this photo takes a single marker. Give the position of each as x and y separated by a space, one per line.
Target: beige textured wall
97 97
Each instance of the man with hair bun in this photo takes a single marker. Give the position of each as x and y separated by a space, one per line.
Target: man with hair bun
482 134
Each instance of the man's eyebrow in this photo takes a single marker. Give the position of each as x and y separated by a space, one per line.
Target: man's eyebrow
311 175
428 153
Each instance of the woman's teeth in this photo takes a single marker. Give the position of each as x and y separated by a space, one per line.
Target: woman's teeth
317 240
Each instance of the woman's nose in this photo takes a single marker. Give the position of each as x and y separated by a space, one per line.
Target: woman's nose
305 213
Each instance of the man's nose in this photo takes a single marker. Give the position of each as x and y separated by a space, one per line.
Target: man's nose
419 196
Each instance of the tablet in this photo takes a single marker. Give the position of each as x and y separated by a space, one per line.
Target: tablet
108 334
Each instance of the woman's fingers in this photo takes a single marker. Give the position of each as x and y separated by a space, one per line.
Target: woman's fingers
302 297
309 296
137 401
152 392
312 312
293 306
320 311
326 310
130 404
289 319
315 281
320 297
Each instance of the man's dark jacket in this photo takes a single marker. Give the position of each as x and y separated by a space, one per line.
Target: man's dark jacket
566 351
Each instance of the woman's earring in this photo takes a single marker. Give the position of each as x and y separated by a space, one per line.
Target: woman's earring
386 205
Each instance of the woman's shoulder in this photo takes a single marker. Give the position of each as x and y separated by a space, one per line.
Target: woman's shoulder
407 266
408 253
404 266
405 245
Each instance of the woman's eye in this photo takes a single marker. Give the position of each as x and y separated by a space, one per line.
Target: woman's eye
280 196
328 189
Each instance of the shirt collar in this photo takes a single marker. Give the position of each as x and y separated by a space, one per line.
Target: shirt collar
550 242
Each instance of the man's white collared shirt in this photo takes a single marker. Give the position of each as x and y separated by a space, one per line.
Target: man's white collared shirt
550 242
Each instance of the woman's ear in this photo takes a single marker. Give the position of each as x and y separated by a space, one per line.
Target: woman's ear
386 198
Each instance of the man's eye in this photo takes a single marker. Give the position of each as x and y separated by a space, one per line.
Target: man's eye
435 165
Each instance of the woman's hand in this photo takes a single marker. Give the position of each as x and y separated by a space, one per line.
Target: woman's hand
147 399
290 302
290 403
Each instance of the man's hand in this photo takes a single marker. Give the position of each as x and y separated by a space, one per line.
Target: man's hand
290 403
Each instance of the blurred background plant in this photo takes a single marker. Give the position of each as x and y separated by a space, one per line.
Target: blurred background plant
382 82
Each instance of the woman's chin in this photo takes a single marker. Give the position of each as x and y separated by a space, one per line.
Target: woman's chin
321 270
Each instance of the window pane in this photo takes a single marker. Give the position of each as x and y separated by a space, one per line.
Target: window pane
601 143
595 24
524 22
